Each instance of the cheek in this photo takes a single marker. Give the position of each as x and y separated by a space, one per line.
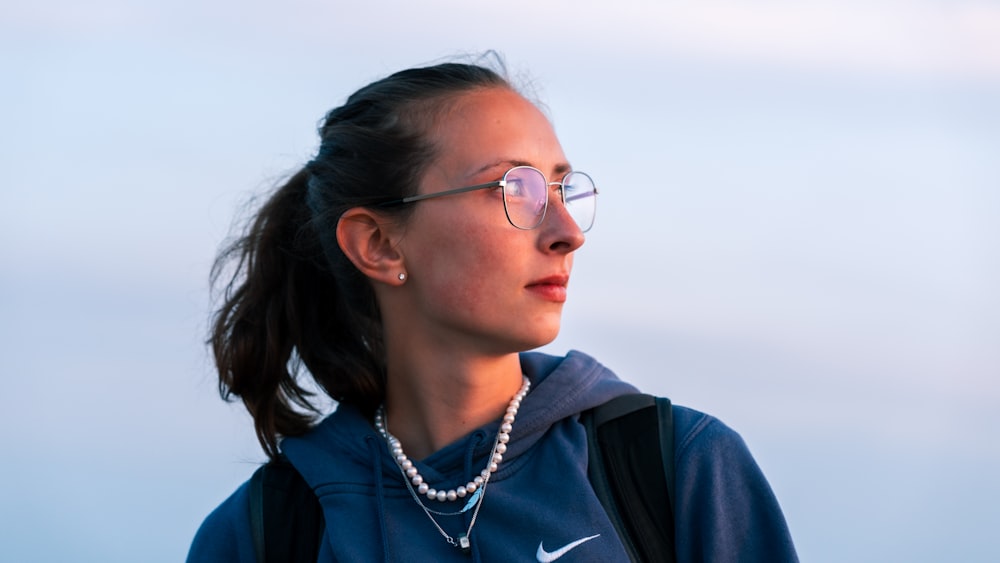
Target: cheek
460 263
468 270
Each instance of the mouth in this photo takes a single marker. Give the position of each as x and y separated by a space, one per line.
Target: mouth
551 288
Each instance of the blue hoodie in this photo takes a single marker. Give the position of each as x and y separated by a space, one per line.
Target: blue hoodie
538 506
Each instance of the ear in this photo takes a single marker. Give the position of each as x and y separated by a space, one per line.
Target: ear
369 240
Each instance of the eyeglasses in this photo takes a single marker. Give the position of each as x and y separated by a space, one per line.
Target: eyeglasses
526 196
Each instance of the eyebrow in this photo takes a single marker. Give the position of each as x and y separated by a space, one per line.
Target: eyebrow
560 169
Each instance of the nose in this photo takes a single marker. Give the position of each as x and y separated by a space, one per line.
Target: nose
559 231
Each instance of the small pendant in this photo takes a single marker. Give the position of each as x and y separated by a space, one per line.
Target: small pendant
464 544
473 499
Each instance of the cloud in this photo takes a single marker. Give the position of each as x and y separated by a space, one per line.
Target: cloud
919 38
960 39
925 38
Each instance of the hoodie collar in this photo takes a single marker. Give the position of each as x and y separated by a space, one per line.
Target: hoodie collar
336 451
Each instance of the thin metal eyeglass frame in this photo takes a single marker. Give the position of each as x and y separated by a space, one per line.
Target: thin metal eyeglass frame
502 183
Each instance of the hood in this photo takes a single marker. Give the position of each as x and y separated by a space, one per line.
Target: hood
336 450
339 457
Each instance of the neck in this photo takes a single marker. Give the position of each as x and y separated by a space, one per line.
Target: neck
431 404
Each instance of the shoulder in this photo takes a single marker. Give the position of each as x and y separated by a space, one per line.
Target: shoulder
725 506
700 434
710 456
224 536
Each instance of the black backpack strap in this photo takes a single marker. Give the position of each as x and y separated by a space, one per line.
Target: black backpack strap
286 519
630 466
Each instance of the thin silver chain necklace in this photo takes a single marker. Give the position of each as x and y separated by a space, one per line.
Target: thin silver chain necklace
476 487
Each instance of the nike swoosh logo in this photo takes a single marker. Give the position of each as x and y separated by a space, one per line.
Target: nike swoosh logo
547 557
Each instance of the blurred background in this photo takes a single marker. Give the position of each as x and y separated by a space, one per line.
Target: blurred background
798 231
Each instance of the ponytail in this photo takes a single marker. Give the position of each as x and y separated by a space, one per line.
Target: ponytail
282 309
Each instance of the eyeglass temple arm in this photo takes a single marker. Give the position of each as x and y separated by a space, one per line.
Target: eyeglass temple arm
412 198
580 196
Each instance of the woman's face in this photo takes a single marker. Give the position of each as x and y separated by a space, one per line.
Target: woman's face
474 278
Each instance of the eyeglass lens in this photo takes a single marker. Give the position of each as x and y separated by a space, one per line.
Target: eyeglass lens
526 197
580 196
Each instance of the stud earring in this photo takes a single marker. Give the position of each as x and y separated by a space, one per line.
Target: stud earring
402 276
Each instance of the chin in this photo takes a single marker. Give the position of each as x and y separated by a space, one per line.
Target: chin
544 335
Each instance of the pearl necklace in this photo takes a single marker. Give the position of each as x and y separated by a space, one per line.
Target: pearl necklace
499 448
476 487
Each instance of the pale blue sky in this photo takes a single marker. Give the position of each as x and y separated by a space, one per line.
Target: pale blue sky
799 232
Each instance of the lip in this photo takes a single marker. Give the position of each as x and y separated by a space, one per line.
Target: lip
550 288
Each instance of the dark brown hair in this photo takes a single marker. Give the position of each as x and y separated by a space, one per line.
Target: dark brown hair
291 298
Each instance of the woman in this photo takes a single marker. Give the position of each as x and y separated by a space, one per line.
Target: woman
409 266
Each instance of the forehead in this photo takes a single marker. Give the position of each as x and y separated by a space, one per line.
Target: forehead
495 124
489 107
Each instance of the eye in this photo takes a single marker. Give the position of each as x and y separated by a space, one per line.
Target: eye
515 188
